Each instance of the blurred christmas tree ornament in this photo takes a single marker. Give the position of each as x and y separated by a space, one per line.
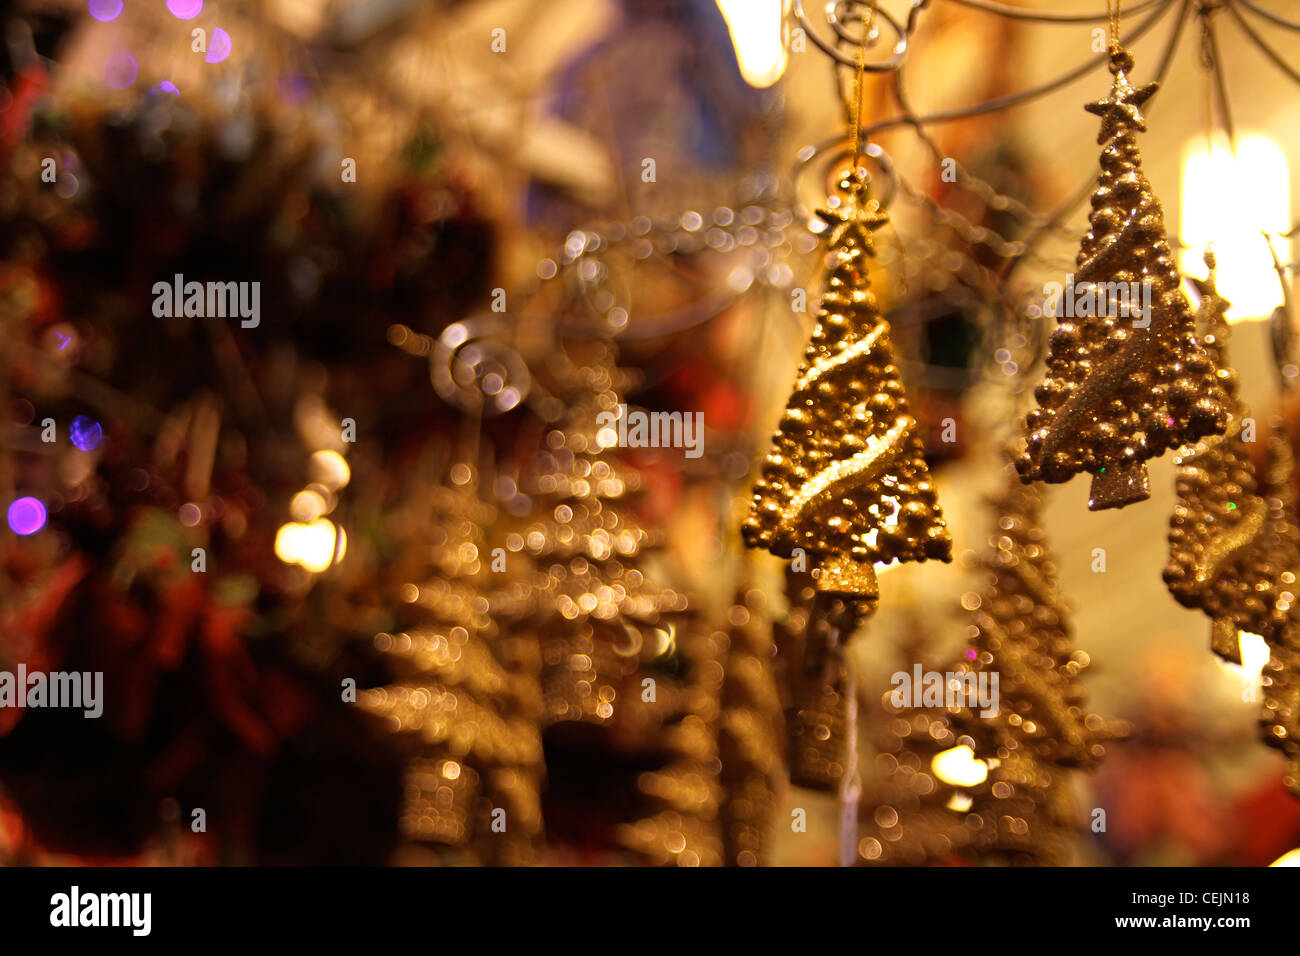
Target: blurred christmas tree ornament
683 827
1126 377
749 738
1279 721
846 482
597 614
475 737
982 770
1232 553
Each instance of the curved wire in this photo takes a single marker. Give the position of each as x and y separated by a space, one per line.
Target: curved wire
1016 13
833 51
1015 99
1269 15
1255 38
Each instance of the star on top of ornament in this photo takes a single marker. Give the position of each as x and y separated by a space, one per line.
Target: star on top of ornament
1122 109
854 210
1212 315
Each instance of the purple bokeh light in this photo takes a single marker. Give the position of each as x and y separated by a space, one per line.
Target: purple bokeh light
26 516
105 10
120 71
86 433
166 86
185 9
218 46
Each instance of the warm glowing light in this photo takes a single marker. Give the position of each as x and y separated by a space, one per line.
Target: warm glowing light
330 469
960 802
1289 858
1229 201
957 766
1254 655
755 27
315 546
307 506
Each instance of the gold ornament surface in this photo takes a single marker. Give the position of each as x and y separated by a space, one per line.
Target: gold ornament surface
1126 377
749 736
846 480
1280 713
463 700
1279 718
1232 552
597 614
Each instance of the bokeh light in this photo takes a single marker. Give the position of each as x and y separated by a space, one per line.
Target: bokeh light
314 546
330 469
105 10
185 9
219 46
86 433
26 516
121 71
959 767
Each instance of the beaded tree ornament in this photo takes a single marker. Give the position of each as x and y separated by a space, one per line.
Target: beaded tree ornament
1280 713
469 718
1126 377
846 480
683 826
597 614
1009 797
1232 553
750 735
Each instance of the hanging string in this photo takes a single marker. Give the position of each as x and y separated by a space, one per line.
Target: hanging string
1113 14
859 77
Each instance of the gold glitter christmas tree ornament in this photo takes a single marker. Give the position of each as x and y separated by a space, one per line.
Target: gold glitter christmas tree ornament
1280 715
467 718
683 825
1126 377
1280 712
750 735
979 767
1232 552
846 480
597 614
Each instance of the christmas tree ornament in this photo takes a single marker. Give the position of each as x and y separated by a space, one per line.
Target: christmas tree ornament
980 766
750 735
1126 377
1232 553
597 614
467 719
683 826
1280 714
1280 711
846 481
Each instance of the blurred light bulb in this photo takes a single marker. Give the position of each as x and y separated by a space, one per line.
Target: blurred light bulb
958 767
1229 201
755 27
315 546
